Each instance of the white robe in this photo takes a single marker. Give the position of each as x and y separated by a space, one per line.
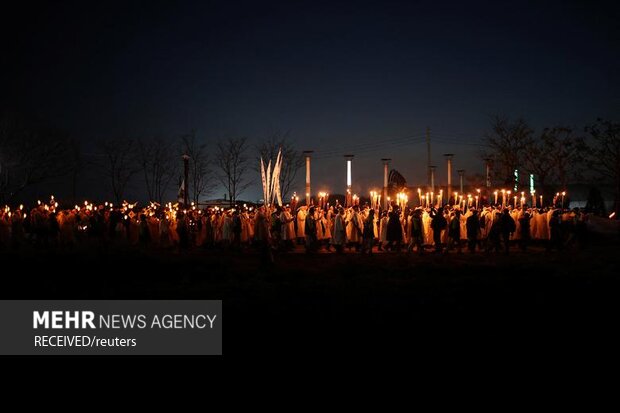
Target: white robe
327 221
301 223
355 224
383 229
288 227
428 231
516 214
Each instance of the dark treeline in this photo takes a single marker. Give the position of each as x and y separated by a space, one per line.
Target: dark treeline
557 156
34 153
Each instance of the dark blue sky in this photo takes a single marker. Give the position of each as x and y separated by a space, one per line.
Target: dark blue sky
334 74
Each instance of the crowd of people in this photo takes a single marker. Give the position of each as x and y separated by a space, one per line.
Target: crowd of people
308 228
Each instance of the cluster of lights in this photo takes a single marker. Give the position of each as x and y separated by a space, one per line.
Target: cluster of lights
323 200
402 199
375 199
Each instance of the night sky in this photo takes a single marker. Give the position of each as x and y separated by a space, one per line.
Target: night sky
339 76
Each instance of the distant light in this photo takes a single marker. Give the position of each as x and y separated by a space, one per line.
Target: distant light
348 172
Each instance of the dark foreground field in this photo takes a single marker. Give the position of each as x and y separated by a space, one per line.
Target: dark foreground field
341 305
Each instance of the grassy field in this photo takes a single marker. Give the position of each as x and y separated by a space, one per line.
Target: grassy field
332 303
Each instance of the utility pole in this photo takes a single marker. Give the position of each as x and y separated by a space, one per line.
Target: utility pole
386 163
488 173
461 175
448 157
349 196
308 193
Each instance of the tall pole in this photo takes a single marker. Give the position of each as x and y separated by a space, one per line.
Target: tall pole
448 157
386 163
185 180
488 172
428 157
432 169
349 195
461 175
308 193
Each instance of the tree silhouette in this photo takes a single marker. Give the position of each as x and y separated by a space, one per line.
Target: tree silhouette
507 142
600 150
233 166
159 164
201 178
31 152
119 164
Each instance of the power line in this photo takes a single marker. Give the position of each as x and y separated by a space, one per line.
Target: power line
367 149
455 134
456 141
365 145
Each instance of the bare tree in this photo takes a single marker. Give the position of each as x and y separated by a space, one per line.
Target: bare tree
601 153
564 153
292 158
30 153
201 179
233 166
539 160
159 166
119 164
507 142
553 158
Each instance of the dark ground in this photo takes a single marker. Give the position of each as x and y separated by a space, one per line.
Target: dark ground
385 305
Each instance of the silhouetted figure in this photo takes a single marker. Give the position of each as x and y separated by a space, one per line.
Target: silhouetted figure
310 230
555 231
182 231
276 227
144 232
262 238
438 224
96 227
581 230
394 231
494 237
524 231
507 227
472 225
454 231
339 237
115 218
209 233
53 229
368 234
236 230
17 230
417 232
